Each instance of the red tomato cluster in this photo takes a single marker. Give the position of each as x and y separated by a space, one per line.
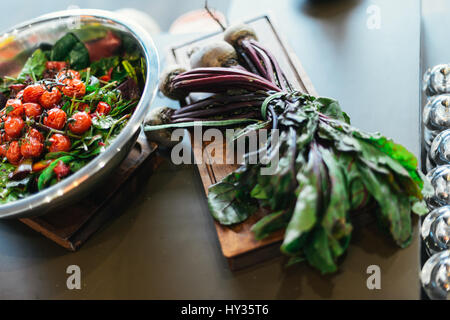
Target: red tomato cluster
35 101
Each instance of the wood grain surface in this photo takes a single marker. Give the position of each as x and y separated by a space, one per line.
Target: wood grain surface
73 225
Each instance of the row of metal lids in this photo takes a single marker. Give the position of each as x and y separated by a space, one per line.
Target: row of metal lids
435 229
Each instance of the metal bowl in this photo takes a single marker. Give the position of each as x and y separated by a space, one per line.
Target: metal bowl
23 39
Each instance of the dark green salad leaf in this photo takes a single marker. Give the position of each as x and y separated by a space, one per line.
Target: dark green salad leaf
102 66
79 56
34 67
61 49
70 48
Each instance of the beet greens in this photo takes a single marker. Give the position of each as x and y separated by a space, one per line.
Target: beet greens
327 169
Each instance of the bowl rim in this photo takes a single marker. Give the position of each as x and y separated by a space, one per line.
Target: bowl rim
43 197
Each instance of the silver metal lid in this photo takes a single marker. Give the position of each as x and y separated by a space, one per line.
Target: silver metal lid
436 80
436 113
435 276
428 137
435 230
440 148
439 178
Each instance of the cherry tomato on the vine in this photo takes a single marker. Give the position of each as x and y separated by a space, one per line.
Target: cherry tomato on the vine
5 137
55 65
102 108
81 122
32 110
56 118
65 75
3 150
14 126
17 107
35 134
107 76
19 94
59 142
74 88
83 107
50 98
32 93
17 87
13 154
31 147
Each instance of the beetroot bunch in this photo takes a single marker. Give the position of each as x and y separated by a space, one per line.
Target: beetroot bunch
326 170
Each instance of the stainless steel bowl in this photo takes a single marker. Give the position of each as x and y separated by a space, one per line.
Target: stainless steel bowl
47 29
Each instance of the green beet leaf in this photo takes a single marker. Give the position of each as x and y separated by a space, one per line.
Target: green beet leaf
318 252
395 207
229 200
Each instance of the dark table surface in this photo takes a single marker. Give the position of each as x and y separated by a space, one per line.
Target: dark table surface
164 245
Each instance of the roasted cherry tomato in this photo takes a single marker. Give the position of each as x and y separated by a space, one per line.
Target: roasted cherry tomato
81 122
65 75
35 134
31 147
32 93
19 94
59 142
13 154
74 87
5 137
102 108
50 98
17 107
55 65
61 170
14 126
3 150
17 87
56 118
32 110
83 107
107 77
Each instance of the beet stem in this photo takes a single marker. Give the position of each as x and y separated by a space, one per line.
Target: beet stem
218 100
218 110
278 72
251 53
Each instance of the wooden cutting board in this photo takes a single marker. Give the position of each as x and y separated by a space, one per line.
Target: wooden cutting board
237 242
72 226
